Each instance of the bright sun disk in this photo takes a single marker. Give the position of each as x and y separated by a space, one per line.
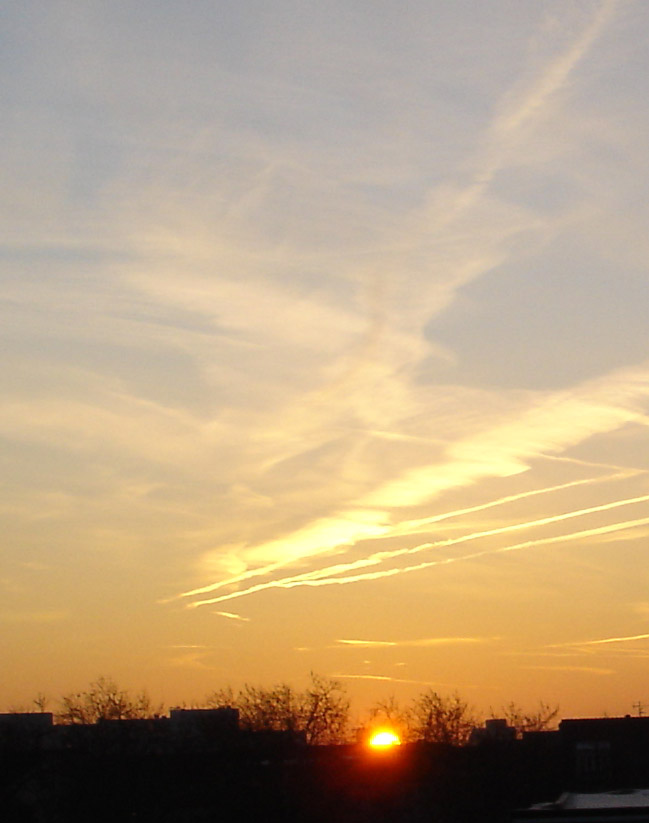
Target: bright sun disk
382 740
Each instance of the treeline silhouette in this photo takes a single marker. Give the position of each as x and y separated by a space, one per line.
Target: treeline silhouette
321 711
269 754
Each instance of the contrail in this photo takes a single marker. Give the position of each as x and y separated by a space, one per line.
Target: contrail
509 125
591 464
402 529
369 677
307 578
310 580
511 498
371 531
618 639
557 73
448 560
385 677
422 642
232 616
588 669
602 642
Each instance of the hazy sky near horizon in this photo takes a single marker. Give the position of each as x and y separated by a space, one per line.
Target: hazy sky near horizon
325 347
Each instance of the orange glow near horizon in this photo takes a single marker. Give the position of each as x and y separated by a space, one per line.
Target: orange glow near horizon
384 740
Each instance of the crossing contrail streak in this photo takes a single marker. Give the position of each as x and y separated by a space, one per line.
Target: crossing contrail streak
410 527
511 498
309 579
592 464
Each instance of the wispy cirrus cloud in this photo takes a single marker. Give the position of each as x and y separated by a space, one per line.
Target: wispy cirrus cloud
332 575
422 642
318 578
233 616
187 646
605 641
385 678
572 669
559 421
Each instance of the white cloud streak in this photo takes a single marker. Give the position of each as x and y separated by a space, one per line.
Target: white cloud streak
319 578
233 616
603 641
400 530
572 669
386 678
423 642
563 419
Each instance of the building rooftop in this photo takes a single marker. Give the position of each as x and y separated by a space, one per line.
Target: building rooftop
617 799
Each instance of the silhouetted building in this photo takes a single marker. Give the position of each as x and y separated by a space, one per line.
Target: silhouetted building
205 721
24 730
606 752
202 729
495 730
148 735
32 721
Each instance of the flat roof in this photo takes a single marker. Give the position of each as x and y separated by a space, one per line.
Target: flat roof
616 799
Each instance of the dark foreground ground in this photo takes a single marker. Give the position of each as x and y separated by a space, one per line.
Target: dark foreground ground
415 783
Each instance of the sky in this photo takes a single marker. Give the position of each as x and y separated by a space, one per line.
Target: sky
325 348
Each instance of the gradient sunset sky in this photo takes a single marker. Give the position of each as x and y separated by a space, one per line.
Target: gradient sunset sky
325 340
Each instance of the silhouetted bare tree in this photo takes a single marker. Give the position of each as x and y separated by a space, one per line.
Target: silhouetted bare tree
325 711
389 712
438 719
542 719
269 709
41 701
104 700
321 711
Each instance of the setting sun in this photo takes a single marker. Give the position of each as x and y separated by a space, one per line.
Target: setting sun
384 740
